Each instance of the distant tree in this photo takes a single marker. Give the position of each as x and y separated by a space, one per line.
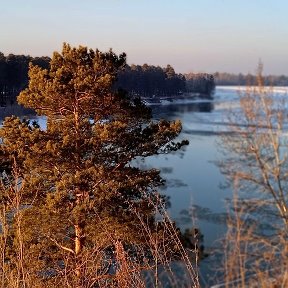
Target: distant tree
43 62
169 71
80 192
2 76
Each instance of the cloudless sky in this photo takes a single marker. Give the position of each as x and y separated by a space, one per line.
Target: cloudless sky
191 35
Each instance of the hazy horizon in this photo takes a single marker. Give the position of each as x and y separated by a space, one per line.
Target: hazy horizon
192 36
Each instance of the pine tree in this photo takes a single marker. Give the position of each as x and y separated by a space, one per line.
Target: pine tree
80 192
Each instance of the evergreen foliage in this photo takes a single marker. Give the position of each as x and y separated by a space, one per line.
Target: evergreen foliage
79 191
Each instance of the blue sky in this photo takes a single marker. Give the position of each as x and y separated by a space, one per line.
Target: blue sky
192 36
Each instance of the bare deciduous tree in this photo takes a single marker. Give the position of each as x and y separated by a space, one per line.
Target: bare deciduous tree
257 164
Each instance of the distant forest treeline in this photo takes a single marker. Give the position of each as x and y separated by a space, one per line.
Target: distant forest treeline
14 74
148 80
203 83
248 79
145 81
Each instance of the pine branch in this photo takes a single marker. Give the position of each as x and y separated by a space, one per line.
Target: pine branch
61 246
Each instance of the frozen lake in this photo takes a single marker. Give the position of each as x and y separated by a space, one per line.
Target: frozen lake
194 183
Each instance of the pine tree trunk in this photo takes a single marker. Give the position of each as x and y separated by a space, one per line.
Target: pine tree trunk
78 249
